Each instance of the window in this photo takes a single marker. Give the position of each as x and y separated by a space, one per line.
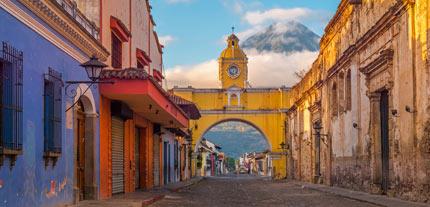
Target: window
11 69
52 114
139 65
334 104
348 85
116 51
341 92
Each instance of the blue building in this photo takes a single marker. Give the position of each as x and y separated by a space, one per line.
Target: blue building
48 156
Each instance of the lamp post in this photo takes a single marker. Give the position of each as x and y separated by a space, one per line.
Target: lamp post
284 148
93 68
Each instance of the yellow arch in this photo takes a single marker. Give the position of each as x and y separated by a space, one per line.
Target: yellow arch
271 124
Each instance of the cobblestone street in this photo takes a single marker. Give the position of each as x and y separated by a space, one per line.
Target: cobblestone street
251 191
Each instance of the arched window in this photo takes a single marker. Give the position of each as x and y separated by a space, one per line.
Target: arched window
348 85
334 98
234 100
341 92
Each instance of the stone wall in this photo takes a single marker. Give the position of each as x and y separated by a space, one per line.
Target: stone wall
368 50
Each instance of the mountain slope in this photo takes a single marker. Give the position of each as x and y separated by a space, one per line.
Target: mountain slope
286 38
236 138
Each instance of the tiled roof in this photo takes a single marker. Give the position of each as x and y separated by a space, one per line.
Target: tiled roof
179 100
188 107
128 73
141 74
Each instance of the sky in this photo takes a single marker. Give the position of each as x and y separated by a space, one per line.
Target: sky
194 32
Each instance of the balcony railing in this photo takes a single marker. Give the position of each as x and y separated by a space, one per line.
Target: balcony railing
72 9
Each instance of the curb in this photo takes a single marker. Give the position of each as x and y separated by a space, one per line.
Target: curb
378 200
174 190
152 200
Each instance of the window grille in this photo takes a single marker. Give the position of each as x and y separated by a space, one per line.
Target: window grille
116 52
53 97
11 104
139 64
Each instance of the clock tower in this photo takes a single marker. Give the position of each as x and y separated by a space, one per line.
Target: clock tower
233 65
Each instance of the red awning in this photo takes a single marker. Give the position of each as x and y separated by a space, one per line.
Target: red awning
144 96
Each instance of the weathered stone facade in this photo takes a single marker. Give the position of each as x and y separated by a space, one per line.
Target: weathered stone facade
369 88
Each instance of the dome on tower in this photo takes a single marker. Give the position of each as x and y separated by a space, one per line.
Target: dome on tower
233 49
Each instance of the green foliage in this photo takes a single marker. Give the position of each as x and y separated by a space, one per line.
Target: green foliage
231 164
199 161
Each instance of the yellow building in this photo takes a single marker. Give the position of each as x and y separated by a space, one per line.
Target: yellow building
263 108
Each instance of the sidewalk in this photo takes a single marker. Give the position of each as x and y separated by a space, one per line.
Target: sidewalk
379 200
139 198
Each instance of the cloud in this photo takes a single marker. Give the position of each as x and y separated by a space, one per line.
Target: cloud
202 75
167 39
269 69
178 1
266 69
276 15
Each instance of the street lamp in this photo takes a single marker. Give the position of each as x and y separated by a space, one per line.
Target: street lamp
284 147
317 126
93 68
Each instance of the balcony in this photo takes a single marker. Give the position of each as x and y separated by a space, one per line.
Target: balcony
71 8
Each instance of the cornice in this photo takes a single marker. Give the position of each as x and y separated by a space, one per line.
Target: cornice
315 107
332 25
385 58
54 16
382 25
345 59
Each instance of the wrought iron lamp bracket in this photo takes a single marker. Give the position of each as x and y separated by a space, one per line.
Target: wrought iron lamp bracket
73 92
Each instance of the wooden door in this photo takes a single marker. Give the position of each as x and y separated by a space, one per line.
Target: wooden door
137 157
384 104
80 155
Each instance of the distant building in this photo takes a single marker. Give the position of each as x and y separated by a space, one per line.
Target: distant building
211 159
256 163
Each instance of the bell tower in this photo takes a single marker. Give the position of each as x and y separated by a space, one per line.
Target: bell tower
233 65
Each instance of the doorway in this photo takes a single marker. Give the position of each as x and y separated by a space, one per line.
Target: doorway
165 162
117 155
384 113
137 157
84 146
80 154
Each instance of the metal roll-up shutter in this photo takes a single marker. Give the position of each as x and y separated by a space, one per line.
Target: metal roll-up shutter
117 155
156 160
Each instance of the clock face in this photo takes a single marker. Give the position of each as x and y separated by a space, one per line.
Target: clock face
233 71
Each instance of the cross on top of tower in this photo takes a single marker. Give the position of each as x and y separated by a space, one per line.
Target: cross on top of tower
232 29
